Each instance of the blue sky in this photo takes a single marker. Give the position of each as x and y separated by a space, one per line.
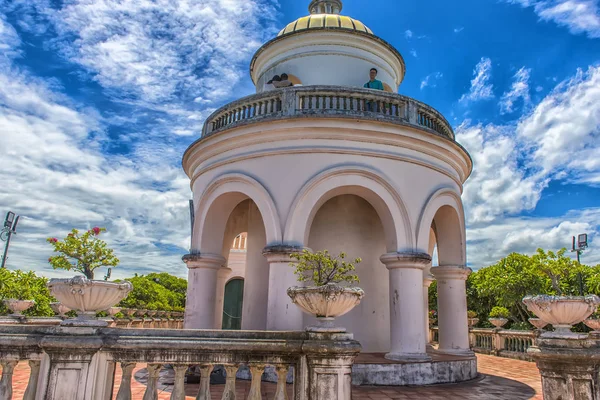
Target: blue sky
99 99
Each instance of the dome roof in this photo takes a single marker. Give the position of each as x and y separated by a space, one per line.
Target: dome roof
324 21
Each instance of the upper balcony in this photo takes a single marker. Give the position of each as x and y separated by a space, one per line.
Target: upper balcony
328 102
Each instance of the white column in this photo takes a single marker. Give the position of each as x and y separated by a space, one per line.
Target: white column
282 314
452 309
427 281
202 290
408 335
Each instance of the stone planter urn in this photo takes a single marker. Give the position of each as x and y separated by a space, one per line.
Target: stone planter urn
18 306
432 321
326 302
562 311
538 323
59 308
472 322
498 322
594 325
88 297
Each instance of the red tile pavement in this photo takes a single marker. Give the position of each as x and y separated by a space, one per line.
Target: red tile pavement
502 379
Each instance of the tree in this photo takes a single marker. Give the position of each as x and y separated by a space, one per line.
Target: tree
508 281
22 285
150 295
177 286
322 268
82 253
561 270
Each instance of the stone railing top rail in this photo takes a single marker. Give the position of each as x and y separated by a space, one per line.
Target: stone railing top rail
13 337
502 332
328 101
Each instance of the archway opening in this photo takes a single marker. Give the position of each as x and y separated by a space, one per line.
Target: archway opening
232 304
351 224
234 228
449 239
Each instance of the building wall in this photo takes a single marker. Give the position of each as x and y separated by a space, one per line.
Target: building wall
350 224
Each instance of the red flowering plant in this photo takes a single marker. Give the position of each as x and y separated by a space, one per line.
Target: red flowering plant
82 252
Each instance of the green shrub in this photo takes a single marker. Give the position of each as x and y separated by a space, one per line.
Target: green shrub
22 285
499 312
471 314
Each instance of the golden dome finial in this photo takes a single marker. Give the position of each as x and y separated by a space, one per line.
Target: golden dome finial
325 6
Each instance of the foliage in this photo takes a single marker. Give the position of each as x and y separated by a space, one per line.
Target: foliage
82 253
471 314
521 326
178 286
558 268
22 285
149 294
499 312
593 279
432 314
518 275
322 268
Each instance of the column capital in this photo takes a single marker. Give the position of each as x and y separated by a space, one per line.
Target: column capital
451 272
428 280
412 260
204 260
281 253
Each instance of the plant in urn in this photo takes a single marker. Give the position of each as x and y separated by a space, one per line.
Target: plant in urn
85 253
330 295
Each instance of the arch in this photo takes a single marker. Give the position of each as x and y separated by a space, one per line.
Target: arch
350 179
444 213
218 201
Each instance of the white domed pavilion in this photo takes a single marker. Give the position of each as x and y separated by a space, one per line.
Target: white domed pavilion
316 160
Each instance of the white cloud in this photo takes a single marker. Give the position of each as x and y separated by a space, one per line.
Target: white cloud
55 176
430 80
489 243
579 16
518 90
413 53
564 129
459 29
162 51
557 140
480 89
498 185
408 34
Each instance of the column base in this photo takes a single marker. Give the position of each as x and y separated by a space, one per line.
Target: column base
457 352
412 357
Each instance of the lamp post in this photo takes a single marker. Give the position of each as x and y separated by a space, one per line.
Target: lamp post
582 244
9 229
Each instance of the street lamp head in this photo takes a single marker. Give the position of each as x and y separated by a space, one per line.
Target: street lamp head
582 241
8 221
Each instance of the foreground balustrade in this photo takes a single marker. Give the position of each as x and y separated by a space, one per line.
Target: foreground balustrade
80 363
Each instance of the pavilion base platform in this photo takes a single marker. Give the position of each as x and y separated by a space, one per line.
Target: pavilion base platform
375 369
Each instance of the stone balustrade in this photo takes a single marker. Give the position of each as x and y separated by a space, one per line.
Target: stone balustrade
158 320
80 362
499 342
328 101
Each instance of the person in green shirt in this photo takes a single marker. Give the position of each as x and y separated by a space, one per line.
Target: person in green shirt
374 83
